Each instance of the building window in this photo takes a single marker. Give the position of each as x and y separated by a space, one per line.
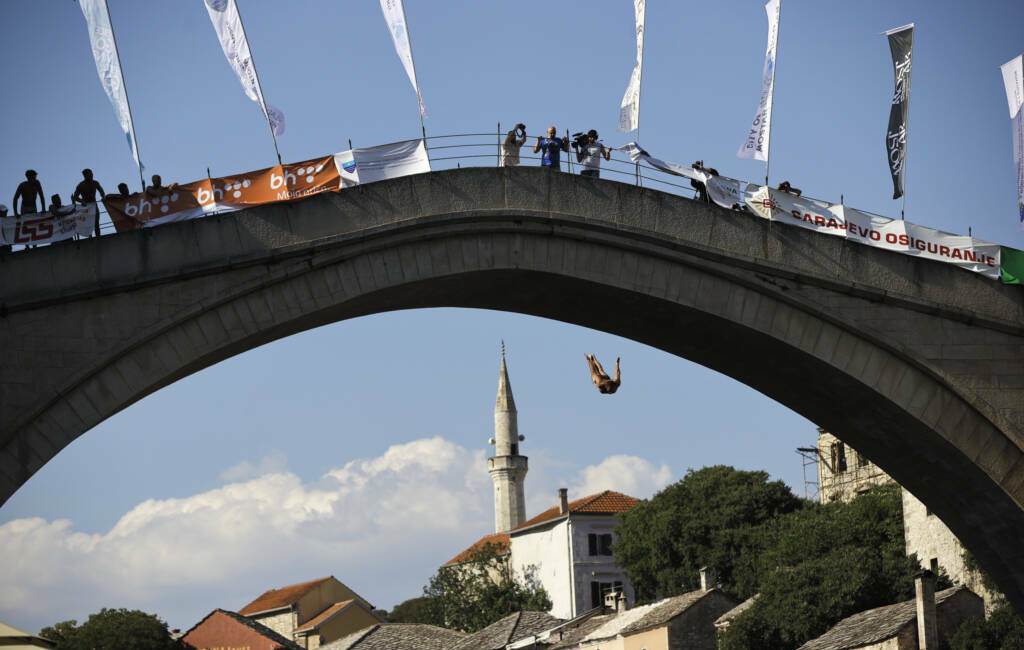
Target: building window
838 457
934 565
599 544
862 460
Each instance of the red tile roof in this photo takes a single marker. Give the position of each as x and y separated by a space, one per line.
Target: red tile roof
283 597
323 616
500 540
603 503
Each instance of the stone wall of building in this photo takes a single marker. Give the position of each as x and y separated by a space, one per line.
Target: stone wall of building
843 472
695 628
282 623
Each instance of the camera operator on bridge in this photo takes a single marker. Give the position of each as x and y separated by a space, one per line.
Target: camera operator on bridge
589 151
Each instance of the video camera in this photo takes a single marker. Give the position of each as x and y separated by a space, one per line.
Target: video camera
580 139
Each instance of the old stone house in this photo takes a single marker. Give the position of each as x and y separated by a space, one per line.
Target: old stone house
223 629
566 548
312 613
925 623
509 630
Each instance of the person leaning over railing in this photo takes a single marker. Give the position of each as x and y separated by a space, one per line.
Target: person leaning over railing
552 147
86 192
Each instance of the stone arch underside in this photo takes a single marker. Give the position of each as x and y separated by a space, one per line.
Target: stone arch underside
847 358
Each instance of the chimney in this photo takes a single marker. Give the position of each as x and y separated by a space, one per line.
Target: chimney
615 601
563 501
707 578
927 630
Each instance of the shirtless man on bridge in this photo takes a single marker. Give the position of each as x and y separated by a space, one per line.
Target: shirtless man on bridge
604 383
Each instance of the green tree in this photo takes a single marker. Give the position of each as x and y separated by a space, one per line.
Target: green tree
712 517
414 610
824 563
1004 630
472 595
113 629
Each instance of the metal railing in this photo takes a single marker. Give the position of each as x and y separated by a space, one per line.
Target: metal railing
457 150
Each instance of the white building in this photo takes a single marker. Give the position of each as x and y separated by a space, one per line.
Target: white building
567 548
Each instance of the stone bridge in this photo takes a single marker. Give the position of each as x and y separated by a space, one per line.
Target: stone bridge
917 364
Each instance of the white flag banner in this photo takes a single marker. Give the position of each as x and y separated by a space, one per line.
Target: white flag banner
629 111
50 226
228 25
357 166
722 190
394 14
108 65
756 144
1013 79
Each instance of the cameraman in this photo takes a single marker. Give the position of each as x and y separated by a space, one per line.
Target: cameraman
588 153
515 139
552 147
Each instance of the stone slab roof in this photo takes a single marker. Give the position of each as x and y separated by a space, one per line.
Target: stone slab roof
398 636
508 630
646 617
259 628
283 597
873 625
727 617
604 503
499 540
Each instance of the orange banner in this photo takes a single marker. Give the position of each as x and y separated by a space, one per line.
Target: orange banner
199 198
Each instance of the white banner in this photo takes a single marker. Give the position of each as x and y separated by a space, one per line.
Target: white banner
722 190
228 25
394 14
47 227
756 144
108 65
895 235
371 164
1013 79
629 110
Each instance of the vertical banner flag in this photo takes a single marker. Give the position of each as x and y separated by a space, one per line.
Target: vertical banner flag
756 144
228 25
629 111
901 43
394 14
108 65
1013 78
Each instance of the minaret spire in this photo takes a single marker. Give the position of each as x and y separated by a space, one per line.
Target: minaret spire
507 467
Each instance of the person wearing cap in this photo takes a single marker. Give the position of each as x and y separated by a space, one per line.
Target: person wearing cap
589 155
27 191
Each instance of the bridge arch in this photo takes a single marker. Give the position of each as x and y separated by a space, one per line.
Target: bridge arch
917 365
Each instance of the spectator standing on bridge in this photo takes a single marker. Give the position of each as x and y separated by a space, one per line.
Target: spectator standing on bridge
3 215
157 186
784 186
88 190
552 146
27 191
122 192
514 141
589 155
702 188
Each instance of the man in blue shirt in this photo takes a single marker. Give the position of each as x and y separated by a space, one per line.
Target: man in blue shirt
552 148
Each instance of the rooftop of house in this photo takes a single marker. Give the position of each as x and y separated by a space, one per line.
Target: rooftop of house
510 629
398 636
725 619
602 503
283 597
259 628
330 613
10 635
874 625
500 541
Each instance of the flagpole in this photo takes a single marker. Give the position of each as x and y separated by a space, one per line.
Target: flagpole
415 76
259 85
775 65
128 103
906 146
640 92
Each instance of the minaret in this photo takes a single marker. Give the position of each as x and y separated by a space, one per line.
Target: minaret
507 467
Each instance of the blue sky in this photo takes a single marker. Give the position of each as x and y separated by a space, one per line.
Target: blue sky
357 449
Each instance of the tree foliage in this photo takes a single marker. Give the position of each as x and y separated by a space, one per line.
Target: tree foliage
824 563
712 517
414 610
472 595
1004 630
112 629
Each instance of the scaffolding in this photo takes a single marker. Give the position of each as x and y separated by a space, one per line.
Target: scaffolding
810 456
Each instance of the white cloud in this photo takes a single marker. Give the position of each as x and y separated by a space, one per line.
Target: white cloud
630 475
274 462
381 525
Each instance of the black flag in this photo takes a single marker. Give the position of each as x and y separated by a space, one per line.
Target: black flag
901 42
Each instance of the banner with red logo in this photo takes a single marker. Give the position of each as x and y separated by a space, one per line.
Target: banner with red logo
156 206
48 227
